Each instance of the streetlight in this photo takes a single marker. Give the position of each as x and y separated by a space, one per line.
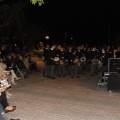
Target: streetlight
47 37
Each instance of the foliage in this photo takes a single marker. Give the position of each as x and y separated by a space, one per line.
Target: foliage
38 53
40 2
11 14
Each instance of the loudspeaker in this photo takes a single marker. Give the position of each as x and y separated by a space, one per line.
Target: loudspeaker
113 82
114 65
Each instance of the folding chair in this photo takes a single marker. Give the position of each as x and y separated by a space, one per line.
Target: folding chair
19 72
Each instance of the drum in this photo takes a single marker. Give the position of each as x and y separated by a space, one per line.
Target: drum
66 62
62 62
78 63
83 59
76 60
94 61
56 60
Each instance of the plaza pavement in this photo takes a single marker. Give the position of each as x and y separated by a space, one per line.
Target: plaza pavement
40 98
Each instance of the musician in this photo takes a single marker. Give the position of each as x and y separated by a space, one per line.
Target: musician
104 59
117 53
61 67
94 61
88 61
71 58
51 63
77 67
46 53
110 52
57 50
81 54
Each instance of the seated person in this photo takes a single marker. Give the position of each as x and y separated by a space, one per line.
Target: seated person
30 64
20 63
10 64
4 102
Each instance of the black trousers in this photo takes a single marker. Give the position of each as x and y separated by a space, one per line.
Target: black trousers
3 100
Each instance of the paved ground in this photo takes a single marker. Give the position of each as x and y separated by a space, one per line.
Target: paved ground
39 98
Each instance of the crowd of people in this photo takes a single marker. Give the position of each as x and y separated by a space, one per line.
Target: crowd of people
59 61
10 67
74 60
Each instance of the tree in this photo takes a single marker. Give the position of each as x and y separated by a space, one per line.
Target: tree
40 2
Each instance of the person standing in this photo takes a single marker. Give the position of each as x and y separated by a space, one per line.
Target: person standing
61 67
46 68
71 58
51 63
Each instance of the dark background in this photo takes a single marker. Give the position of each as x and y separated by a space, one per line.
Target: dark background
85 21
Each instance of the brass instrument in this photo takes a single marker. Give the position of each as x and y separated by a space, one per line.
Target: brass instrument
77 62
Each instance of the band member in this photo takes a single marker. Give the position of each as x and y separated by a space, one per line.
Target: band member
110 52
57 50
61 67
81 55
104 60
94 61
77 63
117 53
83 60
46 68
51 63
71 58
88 61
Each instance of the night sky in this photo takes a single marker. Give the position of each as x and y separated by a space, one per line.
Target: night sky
91 22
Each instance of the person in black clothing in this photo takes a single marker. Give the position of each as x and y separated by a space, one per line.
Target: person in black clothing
46 54
71 58
51 63
94 61
32 64
4 102
117 53
61 66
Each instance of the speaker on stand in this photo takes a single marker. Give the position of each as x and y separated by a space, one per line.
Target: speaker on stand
113 82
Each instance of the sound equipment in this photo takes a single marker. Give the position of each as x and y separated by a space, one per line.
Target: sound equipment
113 82
114 65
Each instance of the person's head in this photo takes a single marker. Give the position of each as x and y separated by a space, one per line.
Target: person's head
47 46
61 48
2 59
70 48
53 46
9 57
